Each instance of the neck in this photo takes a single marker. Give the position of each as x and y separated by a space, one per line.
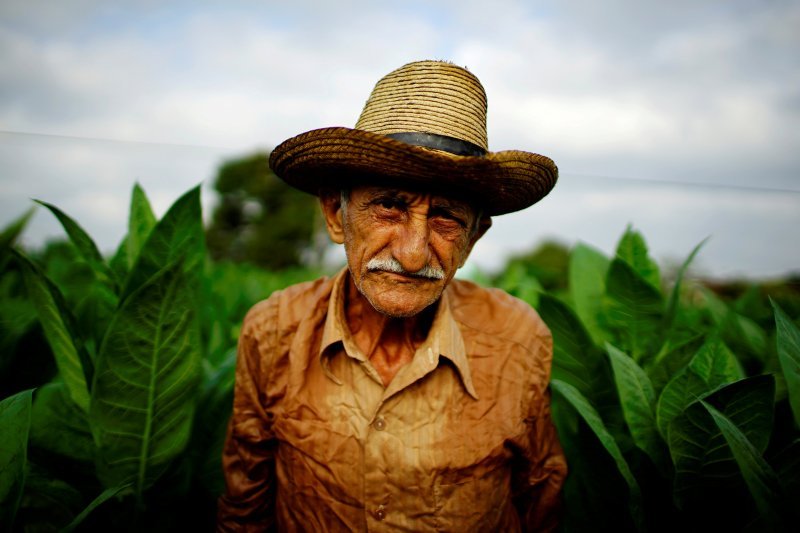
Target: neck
388 342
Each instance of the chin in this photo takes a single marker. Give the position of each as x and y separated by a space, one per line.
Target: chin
399 307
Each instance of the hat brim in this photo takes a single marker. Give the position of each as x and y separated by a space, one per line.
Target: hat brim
500 182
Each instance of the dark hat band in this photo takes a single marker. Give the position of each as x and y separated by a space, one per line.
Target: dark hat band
439 142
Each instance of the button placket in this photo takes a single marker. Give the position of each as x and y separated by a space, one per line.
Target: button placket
380 513
376 482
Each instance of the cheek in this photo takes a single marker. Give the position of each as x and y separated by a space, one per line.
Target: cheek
361 246
451 253
355 254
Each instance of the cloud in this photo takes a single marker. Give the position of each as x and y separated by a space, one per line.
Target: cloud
680 91
748 231
206 79
717 91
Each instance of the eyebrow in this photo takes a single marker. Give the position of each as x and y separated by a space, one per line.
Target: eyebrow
454 206
457 206
438 200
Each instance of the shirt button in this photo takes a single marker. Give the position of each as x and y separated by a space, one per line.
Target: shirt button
379 424
380 513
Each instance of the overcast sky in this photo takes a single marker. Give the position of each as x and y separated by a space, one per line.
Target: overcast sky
681 118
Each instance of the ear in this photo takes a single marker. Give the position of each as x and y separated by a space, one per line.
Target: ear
331 204
483 226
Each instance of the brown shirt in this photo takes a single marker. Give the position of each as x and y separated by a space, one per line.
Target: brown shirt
460 440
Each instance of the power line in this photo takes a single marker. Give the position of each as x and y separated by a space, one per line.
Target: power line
698 184
114 141
580 175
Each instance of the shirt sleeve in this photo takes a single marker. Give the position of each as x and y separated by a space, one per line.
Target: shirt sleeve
542 466
248 457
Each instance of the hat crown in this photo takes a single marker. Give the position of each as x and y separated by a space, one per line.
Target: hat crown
428 97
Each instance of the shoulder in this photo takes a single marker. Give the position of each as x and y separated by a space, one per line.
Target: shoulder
286 308
495 312
502 332
268 331
273 321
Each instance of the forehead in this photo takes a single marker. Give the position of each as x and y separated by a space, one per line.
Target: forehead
369 192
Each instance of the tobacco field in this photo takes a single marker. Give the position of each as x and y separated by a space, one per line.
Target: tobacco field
678 405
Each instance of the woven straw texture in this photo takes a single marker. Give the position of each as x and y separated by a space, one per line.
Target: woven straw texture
432 97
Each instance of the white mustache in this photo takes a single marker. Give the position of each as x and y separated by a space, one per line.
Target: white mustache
393 265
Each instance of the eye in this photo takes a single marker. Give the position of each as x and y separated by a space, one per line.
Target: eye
389 205
449 217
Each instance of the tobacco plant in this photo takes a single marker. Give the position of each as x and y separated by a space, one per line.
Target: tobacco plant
677 410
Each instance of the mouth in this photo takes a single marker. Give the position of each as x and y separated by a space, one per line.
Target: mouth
404 277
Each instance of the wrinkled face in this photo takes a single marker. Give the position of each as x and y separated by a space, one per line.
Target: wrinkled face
402 247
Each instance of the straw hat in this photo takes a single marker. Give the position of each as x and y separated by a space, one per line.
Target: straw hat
423 126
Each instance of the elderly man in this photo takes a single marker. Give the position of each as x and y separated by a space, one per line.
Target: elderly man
393 397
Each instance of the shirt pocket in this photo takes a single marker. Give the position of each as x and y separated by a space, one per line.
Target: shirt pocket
475 497
315 459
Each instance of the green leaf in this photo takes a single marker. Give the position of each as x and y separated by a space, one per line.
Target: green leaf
638 406
576 360
589 414
17 320
712 366
751 334
716 364
593 485
102 498
517 281
58 426
15 419
48 502
119 261
702 459
787 466
681 391
633 310
8 236
633 250
758 475
672 360
140 224
73 361
146 380
587 283
93 310
10 233
179 235
672 304
84 244
211 423
739 332
789 356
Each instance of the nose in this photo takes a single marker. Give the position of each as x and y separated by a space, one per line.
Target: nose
411 245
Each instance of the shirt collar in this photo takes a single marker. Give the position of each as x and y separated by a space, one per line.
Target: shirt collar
444 338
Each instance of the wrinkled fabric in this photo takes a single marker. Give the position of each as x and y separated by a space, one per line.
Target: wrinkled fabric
460 440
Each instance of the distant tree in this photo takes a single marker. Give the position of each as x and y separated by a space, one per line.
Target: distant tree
547 262
261 220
